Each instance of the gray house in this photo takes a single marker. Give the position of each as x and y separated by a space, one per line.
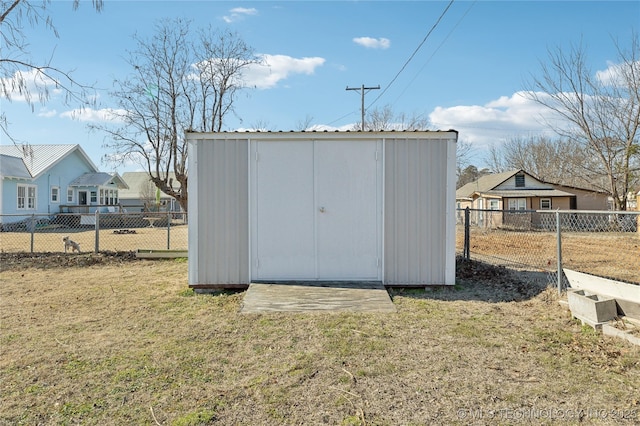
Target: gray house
142 195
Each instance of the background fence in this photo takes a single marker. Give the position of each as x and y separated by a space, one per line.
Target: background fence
536 243
94 232
541 243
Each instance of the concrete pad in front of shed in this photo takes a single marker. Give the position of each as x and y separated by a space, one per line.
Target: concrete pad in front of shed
317 297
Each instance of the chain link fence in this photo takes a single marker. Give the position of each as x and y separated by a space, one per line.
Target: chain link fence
541 243
601 243
66 232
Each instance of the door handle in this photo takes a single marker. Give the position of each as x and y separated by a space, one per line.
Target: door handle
322 209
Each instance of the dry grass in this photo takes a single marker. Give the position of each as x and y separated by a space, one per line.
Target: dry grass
121 341
613 255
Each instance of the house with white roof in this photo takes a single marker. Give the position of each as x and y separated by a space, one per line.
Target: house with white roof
52 179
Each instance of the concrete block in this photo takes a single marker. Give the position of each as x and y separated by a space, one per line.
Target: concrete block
591 308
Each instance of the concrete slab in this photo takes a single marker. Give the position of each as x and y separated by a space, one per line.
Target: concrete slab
316 297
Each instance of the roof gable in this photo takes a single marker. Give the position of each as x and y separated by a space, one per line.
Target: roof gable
140 182
484 184
99 179
13 167
38 159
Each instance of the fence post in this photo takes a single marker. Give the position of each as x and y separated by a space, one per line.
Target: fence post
168 229
33 229
559 249
466 251
97 245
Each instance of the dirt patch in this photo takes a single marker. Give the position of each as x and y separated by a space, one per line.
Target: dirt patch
9 261
124 341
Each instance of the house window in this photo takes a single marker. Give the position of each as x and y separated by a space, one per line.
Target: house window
545 203
26 197
69 195
55 194
102 196
94 196
520 180
517 203
494 205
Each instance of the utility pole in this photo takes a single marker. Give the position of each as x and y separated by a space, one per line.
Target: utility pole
363 90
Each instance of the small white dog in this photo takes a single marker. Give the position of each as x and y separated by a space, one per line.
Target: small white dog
69 243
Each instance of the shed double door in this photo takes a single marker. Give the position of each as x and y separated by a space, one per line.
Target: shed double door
316 210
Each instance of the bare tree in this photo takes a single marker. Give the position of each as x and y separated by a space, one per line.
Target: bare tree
178 84
20 75
464 150
551 160
261 126
386 119
305 123
603 111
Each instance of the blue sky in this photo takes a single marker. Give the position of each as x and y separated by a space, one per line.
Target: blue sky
465 76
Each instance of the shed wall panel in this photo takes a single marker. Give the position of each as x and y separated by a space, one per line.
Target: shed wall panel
218 212
416 225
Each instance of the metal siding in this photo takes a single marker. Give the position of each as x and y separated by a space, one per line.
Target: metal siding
218 206
292 238
416 224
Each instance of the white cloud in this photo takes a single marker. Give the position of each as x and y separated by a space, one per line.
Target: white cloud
496 121
239 13
47 113
95 115
373 43
28 86
613 74
324 127
278 67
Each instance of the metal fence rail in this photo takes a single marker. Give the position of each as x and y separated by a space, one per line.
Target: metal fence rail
93 232
602 243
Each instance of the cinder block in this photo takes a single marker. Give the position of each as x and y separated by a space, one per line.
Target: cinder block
591 308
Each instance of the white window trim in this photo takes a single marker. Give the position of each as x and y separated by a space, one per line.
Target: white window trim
545 208
514 204
497 202
26 198
55 189
73 195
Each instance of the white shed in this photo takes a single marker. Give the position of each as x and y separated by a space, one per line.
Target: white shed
322 206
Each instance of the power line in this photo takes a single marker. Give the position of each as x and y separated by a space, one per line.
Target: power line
414 53
436 51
